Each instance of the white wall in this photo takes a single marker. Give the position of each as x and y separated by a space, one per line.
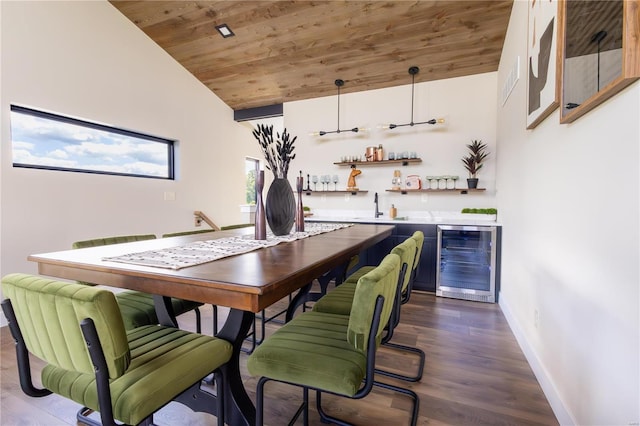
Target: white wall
467 103
568 197
84 59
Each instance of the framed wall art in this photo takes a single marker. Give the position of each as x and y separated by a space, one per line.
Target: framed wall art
543 91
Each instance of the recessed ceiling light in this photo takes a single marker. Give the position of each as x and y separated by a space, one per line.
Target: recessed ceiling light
224 30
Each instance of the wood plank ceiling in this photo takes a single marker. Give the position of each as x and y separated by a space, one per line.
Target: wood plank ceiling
293 50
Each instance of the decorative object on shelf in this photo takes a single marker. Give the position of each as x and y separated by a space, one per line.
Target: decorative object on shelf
308 188
413 71
380 153
300 208
339 83
351 183
261 224
413 182
396 182
280 207
474 160
370 153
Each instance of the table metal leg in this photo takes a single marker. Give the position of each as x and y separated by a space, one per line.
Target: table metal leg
164 311
239 409
298 300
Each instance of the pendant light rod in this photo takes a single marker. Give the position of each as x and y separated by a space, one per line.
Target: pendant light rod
339 83
413 71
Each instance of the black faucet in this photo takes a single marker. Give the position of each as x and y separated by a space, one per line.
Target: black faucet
378 213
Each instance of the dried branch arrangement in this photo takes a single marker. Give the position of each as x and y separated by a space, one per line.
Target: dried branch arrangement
278 153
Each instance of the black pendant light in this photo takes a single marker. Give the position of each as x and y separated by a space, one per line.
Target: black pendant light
413 71
339 83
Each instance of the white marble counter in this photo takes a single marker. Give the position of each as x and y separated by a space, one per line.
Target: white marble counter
409 217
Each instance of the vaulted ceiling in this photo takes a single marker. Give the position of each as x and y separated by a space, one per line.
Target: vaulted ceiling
293 50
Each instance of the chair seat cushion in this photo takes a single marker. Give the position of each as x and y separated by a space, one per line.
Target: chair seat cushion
138 309
312 350
338 301
150 381
353 278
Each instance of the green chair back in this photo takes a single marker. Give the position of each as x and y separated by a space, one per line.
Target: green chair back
183 233
237 226
49 315
112 240
97 242
418 237
381 281
407 252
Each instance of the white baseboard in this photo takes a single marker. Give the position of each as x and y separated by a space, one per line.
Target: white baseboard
562 414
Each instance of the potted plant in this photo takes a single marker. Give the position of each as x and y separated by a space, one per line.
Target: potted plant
473 161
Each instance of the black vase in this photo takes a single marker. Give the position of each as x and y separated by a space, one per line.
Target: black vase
280 207
472 183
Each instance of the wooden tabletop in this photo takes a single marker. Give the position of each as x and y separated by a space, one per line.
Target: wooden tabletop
250 281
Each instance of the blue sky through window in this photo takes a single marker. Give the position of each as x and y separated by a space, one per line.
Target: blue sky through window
49 141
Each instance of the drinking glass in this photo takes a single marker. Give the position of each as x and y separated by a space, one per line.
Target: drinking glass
314 179
335 182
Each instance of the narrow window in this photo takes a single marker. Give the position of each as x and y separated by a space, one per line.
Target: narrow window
250 167
43 140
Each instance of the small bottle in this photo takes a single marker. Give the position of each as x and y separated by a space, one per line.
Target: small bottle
393 212
379 153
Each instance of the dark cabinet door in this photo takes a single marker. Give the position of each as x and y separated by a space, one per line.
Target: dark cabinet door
426 277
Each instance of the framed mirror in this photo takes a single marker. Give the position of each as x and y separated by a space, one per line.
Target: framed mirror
599 49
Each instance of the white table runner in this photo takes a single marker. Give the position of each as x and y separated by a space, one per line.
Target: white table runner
200 252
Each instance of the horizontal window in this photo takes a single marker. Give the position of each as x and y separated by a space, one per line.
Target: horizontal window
54 142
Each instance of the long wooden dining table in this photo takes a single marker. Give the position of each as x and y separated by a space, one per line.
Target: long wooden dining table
247 283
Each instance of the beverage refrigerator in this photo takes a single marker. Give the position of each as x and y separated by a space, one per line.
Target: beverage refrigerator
468 262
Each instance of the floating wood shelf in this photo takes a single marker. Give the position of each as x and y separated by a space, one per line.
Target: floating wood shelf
402 161
336 192
458 190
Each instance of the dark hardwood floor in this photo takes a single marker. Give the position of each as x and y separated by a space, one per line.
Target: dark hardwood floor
475 374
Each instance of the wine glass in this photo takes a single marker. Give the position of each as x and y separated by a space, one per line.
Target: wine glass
446 181
314 179
454 178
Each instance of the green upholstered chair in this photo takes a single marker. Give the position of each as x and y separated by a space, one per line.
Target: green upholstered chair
418 237
332 353
183 233
78 331
338 301
236 226
138 308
